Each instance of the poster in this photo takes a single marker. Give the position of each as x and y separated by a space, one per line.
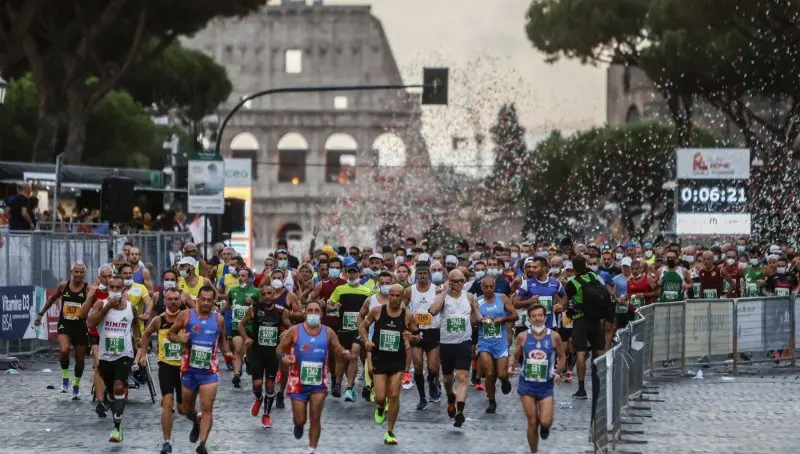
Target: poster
51 318
206 183
750 334
238 185
18 309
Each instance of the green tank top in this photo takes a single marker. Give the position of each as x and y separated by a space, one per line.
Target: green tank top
751 275
238 297
671 286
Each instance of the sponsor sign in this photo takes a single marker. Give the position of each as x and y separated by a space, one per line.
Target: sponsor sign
713 224
238 173
713 163
206 183
18 309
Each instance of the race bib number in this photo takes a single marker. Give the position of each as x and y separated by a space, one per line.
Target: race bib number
172 352
670 295
752 289
710 294
311 373
456 325
238 313
389 341
547 302
696 287
621 307
268 336
423 319
523 318
200 357
781 291
115 344
492 331
72 310
637 300
536 370
350 321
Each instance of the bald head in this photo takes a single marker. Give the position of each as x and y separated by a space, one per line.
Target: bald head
455 274
396 295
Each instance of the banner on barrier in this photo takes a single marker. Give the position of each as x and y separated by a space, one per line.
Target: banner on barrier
53 315
18 309
750 330
709 328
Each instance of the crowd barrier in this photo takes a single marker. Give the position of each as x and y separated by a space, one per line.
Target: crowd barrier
678 336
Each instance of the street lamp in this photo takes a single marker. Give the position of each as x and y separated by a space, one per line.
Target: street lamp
3 88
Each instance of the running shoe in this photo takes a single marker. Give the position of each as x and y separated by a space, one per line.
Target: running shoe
65 385
336 391
389 439
366 392
544 432
279 400
166 448
201 448
505 386
76 391
435 393
580 394
237 381
380 415
422 405
256 407
266 421
100 409
492 408
195 432
459 421
298 431
349 395
407 382
479 386
116 435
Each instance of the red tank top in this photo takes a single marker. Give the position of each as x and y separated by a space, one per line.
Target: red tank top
711 282
735 274
330 319
98 296
639 286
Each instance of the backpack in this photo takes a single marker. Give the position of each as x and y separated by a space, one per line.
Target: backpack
596 297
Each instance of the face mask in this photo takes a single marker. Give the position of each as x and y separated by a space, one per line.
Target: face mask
480 274
730 262
742 265
354 282
184 273
368 272
754 262
740 249
618 256
648 253
334 273
593 267
276 284
569 278
127 282
781 269
283 264
102 287
170 284
114 296
492 271
523 255
399 259
716 258
242 284
385 289
555 270
437 276
233 271
538 329
514 255
636 276
408 251
688 258
672 262
313 320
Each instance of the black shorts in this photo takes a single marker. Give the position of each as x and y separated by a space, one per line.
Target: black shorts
93 340
474 334
384 363
588 334
430 339
455 357
119 369
76 331
347 338
169 380
264 364
565 333
519 329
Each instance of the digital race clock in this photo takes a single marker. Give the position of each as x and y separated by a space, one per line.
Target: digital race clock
712 196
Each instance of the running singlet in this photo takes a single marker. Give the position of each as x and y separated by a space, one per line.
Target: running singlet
637 288
99 295
671 285
310 370
538 361
71 303
456 325
330 319
751 287
711 283
238 299
494 333
388 336
183 286
169 353
546 291
115 333
351 300
138 276
419 304
266 328
200 353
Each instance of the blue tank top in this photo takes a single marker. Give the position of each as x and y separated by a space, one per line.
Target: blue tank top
200 354
281 300
310 370
538 360
496 332
138 276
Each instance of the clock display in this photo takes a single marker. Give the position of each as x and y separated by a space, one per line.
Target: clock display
712 195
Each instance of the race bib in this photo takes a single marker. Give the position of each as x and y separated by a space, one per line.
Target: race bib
389 341
200 357
637 300
781 291
71 310
523 318
621 307
536 370
670 295
238 313
172 352
423 319
268 336
696 287
115 344
311 373
752 289
350 321
710 294
456 325
547 302
492 331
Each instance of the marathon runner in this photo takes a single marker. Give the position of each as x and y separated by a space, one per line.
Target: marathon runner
117 323
419 298
384 281
330 277
72 330
495 310
308 377
98 292
459 311
536 382
189 283
170 355
137 294
260 328
292 311
200 330
394 327
141 275
239 300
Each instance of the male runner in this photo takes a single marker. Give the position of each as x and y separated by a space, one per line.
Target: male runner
459 311
239 300
394 326
384 280
419 298
72 329
170 355
292 310
263 321
141 275
305 349
496 310
98 292
200 330
117 323
536 382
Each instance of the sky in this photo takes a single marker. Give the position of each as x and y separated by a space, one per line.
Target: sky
483 42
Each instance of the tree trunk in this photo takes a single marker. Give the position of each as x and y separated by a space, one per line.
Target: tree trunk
680 108
47 126
76 128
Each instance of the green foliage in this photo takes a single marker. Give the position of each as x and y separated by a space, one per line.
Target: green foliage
510 151
18 120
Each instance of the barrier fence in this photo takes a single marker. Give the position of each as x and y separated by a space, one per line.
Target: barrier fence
665 337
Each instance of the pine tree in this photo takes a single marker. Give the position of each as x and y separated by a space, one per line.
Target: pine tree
510 155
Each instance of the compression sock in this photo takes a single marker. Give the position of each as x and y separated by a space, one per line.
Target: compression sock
581 386
79 365
268 400
64 367
419 380
460 407
258 393
117 407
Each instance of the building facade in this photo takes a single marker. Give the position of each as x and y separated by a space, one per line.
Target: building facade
304 146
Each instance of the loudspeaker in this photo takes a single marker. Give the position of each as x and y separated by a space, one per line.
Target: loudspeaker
233 218
117 199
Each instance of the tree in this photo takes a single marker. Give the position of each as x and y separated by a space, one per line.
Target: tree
510 153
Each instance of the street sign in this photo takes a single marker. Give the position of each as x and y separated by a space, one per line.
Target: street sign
206 183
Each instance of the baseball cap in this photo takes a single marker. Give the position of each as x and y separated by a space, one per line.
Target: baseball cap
451 259
626 261
568 265
774 249
422 265
376 256
188 261
424 257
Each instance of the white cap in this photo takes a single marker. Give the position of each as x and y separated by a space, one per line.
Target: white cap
626 261
774 249
376 256
188 261
424 257
451 259
568 265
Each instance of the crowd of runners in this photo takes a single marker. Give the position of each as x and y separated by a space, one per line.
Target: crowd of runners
440 321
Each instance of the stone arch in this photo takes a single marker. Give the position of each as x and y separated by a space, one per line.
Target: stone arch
292 155
390 149
340 158
290 231
292 141
632 116
244 141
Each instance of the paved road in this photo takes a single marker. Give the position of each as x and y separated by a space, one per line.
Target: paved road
37 420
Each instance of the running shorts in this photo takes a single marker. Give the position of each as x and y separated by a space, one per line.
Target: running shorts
455 357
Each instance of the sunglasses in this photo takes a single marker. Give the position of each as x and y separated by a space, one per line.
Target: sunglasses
458 281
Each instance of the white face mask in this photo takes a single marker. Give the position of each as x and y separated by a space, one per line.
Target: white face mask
184 273
593 267
480 274
114 296
555 270
538 329
492 271
399 259
170 284
688 258
102 287
437 276
618 256
385 289
754 262
276 284
716 258
313 320
730 262
514 255
127 282
742 265
242 284
781 269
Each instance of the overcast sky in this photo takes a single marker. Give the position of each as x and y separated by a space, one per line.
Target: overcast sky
492 62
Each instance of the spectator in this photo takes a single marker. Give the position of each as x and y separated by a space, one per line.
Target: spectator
19 209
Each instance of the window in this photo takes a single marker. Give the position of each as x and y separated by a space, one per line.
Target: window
340 166
340 102
292 166
294 61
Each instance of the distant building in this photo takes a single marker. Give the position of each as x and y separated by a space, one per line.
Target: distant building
304 145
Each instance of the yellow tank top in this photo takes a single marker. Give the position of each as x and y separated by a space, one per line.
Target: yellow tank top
168 352
192 291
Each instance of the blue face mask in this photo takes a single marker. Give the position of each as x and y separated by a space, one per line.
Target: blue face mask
354 282
480 274
385 289
437 276
335 273
283 264
313 320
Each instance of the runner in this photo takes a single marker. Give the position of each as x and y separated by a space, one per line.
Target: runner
459 311
137 294
169 361
536 386
384 281
264 319
419 298
239 300
189 282
308 377
292 311
394 327
141 275
98 292
495 310
329 278
200 330
72 330
117 322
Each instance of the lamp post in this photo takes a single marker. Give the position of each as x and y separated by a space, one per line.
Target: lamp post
3 90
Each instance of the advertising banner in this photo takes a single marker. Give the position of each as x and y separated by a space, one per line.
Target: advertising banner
206 183
18 309
52 316
713 163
